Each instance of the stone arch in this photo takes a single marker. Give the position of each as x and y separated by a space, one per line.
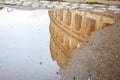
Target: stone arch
90 25
74 43
78 19
68 18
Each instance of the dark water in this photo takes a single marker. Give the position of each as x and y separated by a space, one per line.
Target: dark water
24 45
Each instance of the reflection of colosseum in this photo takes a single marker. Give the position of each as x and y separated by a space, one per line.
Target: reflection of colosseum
71 29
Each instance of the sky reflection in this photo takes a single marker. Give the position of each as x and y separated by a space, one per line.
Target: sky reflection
24 43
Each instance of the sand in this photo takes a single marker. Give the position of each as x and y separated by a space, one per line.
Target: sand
99 59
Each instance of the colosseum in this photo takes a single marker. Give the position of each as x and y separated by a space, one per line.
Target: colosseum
70 30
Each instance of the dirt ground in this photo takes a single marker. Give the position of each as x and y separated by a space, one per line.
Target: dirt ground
99 59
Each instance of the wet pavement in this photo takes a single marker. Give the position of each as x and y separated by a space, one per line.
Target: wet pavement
24 45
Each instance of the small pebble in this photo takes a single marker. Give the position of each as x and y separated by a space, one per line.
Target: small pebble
74 78
40 63
56 72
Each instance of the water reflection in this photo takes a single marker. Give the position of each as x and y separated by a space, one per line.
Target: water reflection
24 45
71 29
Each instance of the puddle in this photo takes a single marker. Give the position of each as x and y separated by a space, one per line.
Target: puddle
32 40
24 45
